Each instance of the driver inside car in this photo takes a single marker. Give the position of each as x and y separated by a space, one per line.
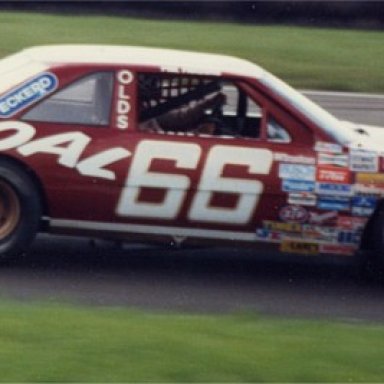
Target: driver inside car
186 118
190 116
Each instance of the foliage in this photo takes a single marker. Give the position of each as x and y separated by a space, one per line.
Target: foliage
47 342
337 59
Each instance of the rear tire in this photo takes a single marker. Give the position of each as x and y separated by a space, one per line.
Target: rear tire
20 210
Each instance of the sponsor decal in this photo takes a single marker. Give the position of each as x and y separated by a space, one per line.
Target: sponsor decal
27 94
369 189
363 205
335 203
364 201
333 175
362 211
297 172
267 235
302 198
374 179
322 218
297 185
337 249
286 158
306 248
334 189
363 161
68 148
320 233
350 237
333 159
322 146
349 222
293 214
123 105
283 227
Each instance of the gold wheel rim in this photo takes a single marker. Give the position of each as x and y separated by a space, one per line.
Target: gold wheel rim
9 210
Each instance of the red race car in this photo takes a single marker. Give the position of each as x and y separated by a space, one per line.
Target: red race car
182 147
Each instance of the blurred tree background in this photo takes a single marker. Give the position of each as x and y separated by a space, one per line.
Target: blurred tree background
356 14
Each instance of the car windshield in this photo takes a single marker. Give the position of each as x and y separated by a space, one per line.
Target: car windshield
17 68
326 121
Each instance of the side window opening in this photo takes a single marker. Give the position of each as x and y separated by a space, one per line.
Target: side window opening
86 101
160 94
276 132
189 104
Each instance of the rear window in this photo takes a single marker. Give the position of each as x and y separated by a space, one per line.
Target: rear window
86 101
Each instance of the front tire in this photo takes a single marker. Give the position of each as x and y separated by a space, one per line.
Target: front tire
20 210
371 259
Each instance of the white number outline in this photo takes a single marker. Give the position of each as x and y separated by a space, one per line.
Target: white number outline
258 162
187 156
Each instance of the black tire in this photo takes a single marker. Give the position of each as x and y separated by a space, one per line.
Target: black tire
372 246
20 210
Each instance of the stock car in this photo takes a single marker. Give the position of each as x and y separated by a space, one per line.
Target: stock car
275 171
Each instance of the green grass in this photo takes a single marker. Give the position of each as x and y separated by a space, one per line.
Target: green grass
46 342
334 59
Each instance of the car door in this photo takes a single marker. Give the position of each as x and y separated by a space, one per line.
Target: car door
223 184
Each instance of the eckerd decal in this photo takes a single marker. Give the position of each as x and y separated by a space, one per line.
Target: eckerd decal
27 93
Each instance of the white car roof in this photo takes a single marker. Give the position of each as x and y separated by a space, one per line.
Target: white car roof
166 59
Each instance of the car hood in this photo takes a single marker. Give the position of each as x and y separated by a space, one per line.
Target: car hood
362 136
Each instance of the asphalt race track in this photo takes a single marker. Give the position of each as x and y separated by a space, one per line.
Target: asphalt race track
198 280
193 281
358 107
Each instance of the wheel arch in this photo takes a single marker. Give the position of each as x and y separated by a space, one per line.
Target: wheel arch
367 238
34 178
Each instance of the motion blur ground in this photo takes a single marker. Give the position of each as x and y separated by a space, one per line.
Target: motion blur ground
214 280
81 314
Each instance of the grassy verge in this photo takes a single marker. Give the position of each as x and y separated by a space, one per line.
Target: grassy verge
51 343
305 57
